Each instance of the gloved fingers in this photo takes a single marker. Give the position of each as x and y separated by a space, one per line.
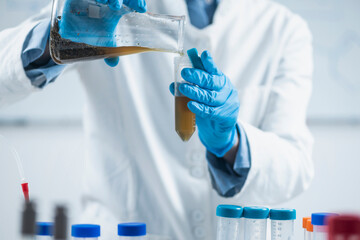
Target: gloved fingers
115 4
137 5
201 110
208 63
207 97
112 62
203 79
172 88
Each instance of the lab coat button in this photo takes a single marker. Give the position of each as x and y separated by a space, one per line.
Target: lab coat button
197 157
200 232
197 216
197 172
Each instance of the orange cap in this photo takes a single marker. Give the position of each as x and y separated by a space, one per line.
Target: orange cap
305 221
309 226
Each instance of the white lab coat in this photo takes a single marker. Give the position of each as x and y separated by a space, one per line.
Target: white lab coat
137 167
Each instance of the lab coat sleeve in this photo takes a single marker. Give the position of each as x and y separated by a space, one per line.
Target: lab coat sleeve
281 147
34 47
228 180
14 84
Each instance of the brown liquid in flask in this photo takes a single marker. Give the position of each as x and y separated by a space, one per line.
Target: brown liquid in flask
65 51
184 118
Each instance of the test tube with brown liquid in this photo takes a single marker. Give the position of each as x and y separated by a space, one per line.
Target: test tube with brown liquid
184 118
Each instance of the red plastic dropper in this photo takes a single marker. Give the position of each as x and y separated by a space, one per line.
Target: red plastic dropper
25 189
15 154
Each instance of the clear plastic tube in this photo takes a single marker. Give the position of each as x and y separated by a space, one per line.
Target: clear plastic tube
241 229
185 124
309 235
320 232
255 229
282 229
228 228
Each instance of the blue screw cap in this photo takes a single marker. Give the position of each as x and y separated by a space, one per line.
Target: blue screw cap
319 219
282 214
44 228
85 230
256 212
132 229
229 211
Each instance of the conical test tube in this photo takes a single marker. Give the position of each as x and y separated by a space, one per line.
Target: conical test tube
184 118
320 225
228 222
282 223
304 224
255 222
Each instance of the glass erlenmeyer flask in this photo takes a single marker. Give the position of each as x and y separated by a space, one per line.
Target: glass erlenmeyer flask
86 30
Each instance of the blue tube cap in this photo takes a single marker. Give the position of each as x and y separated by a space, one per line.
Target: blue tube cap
256 212
44 228
319 219
132 229
85 230
229 211
282 214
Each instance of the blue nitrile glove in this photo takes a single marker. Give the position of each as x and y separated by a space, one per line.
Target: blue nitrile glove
215 104
94 23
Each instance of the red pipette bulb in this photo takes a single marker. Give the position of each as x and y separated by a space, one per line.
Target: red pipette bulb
25 189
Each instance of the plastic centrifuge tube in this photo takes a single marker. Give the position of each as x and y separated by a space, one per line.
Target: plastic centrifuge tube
15 154
282 223
255 222
184 118
228 222
132 231
28 221
309 230
304 222
44 231
344 227
60 223
319 221
85 231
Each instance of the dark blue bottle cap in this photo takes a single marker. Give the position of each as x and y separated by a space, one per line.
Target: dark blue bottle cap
282 214
132 229
256 212
44 228
319 219
229 211
85 230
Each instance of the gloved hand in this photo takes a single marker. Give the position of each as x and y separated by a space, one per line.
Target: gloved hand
93 23
215 104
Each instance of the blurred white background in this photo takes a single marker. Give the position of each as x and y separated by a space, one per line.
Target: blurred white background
46 127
